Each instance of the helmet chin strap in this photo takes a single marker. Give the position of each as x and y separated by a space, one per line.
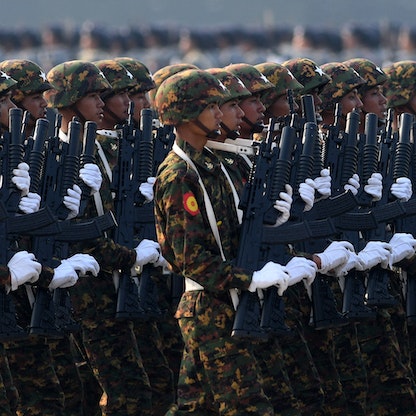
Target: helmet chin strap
117 119
211 134
231 134
255 127
78 113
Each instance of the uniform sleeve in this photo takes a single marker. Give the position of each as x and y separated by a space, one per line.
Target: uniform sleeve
186 239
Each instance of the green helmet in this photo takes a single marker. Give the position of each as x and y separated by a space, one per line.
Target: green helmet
30 77
308 73
281 78
163 73
120 78
183 96
7 83
73 80
233 84
142 75
401 83
251 77
372 74
343 80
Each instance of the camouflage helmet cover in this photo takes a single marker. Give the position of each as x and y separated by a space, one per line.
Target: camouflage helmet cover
233 84
343 80
183 96
251 77
308 73
6 83
30 77
120 78
372 74
73 80
401 82
142 75
163 73
281 78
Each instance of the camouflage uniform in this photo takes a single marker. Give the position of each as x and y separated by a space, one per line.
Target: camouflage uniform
219 374
110 344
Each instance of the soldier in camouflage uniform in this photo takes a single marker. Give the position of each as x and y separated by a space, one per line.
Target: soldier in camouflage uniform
110 344
219 374
128 78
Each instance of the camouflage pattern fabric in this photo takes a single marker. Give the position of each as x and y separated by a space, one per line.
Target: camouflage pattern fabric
401 82
141 74
9 395
119 77
369 71
6 83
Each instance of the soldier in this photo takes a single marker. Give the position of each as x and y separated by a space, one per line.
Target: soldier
77 89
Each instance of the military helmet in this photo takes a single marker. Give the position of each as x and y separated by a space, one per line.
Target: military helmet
163 73
281 78
73 80
233 84
251 77
7 83
183 96
142 75
30 77
119 77
401 82
372 74
343 80
308 73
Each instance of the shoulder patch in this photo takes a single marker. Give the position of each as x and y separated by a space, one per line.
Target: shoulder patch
190 204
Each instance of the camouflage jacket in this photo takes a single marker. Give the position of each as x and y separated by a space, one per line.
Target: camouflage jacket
182 225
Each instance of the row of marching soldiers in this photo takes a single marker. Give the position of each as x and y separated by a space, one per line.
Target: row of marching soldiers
91 210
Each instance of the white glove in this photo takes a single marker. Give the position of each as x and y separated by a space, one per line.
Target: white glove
64 276
335 255
21 177
283 205
148 251
161 262
374 186
30 203
146 188
375 252
307 193
300 268
353 262
403 245
402 189
23 268
353 184
91 176
83 263
72 199
323 183
272 274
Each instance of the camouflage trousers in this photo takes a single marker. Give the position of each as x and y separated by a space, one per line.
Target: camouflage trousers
8 392
219 373
112 351
32 367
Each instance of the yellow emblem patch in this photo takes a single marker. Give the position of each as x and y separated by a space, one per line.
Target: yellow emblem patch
190 204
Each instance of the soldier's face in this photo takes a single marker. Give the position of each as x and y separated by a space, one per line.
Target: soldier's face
118 104
350 101
211 117
375 102
232 115
281 106
36 105
253 109
140 100
5 105
91 107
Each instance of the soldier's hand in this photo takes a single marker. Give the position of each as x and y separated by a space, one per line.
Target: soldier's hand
299 269
375 252
374 186
353 184
146 188
402 189
148 251
335 255
83 263
72 200
64 276
91 176
30 203
23 268
21 178
283 205
323 183
272 274
307 193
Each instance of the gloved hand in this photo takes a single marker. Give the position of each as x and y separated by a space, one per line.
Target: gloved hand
323 183
146 188
160 262
147 251
374 186
353 184
300 268
403 246
307 193
72 199
64 276
353 262
375 252
90 174
272 274
83 263
30 203
402 189
21 178
23 268
335 255
283 205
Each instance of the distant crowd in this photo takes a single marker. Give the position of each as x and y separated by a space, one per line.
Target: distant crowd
158 46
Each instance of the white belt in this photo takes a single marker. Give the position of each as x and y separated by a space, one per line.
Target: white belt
191 285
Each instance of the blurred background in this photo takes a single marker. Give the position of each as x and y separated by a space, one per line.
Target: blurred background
207 32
